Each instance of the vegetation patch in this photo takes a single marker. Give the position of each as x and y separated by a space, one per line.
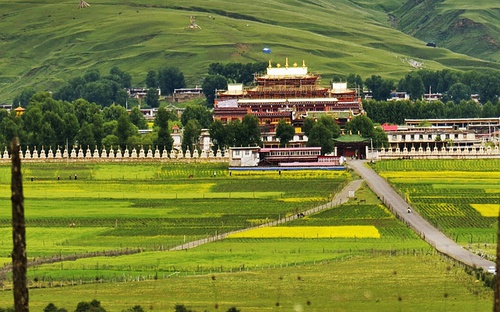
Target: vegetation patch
358 231
487 210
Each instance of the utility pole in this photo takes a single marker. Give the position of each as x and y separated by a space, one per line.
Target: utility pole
19 258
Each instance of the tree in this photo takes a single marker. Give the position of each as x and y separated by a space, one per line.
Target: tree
170 78
219 135
321 136
137 118
380 138
52 308
125 79
307 125
22 99
284 132
85 136
210 85
361 124
458 92
251 130
331 125
93 306
151 80
199 113
381 88
113 112
190 135
164 140
124 130
152 98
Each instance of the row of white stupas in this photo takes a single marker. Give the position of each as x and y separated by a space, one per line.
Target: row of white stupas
112 154
452 152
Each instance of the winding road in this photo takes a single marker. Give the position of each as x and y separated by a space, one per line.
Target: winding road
422 227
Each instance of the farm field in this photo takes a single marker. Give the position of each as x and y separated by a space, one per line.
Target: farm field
153 207
460 197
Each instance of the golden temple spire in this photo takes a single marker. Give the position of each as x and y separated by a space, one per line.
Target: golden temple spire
270 66
303 63
286 62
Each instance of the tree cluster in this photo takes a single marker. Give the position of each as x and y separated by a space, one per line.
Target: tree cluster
235 133
455 86
55 123
167 79
395 112
95 88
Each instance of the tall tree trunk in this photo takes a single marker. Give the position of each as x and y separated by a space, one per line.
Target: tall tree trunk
19 259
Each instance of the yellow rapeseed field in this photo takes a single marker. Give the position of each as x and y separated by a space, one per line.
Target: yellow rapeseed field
353 231
487 210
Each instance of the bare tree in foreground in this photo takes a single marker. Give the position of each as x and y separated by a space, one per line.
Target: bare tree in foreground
19 259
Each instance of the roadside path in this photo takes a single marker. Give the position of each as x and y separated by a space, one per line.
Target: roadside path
340 198
417 223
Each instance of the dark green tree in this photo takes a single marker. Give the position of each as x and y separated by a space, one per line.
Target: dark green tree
380 138
209 86
321 136
219 135
284 132
151 80
170 78
190 135
361 124
124 130
307 125
152 97
93 306
381 88
85 136
251 131
458 92
124 79
22 99
164 140
330 123
199 113
52 308
113 112
137 118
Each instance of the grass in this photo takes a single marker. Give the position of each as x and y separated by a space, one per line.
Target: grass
397 271
363 283
461 197
57 41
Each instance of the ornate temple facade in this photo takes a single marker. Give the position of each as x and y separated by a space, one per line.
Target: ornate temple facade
287 92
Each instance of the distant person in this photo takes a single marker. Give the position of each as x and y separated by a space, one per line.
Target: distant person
409 210
76 177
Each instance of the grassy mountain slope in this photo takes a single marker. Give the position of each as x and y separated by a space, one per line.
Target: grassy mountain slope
43 43
469 27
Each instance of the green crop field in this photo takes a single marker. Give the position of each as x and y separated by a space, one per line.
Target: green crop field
136 212
460 197
46 42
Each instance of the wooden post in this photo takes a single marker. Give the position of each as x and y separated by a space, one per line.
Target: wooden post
496 304
19 259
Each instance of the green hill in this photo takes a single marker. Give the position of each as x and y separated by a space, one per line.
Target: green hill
472 28
44 43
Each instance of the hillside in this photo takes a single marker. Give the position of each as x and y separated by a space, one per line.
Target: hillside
44 43
471 28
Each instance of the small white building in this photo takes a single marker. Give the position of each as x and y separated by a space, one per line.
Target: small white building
244 156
